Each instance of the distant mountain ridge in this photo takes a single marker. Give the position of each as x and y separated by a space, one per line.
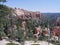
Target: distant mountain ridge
52 17
49 15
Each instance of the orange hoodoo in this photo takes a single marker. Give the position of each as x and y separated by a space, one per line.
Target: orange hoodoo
56 31
23 24
38 30
47 30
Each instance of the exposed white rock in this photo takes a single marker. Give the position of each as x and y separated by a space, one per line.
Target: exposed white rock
39 42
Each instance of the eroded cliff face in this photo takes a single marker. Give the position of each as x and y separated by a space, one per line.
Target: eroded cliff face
24 14
18 14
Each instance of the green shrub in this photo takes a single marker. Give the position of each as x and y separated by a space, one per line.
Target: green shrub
11 44
57 44
35 44
52 41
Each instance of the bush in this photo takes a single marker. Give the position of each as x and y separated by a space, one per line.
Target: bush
52 41
11 44
57 44
35 44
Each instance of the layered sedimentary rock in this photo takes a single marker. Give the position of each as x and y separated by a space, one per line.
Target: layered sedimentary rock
24 14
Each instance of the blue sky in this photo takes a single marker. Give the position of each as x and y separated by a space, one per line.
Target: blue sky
36 5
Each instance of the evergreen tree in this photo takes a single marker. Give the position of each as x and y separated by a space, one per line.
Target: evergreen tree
4 17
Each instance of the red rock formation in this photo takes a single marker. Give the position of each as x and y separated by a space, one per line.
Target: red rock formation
24 14
56 30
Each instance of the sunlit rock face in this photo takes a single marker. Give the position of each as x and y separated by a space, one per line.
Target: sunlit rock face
19 11
36 43
38 31
24 14
23 24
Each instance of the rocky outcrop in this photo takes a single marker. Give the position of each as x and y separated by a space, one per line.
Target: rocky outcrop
24 14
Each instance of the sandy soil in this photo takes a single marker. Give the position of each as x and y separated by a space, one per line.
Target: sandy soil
39 42
4 42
